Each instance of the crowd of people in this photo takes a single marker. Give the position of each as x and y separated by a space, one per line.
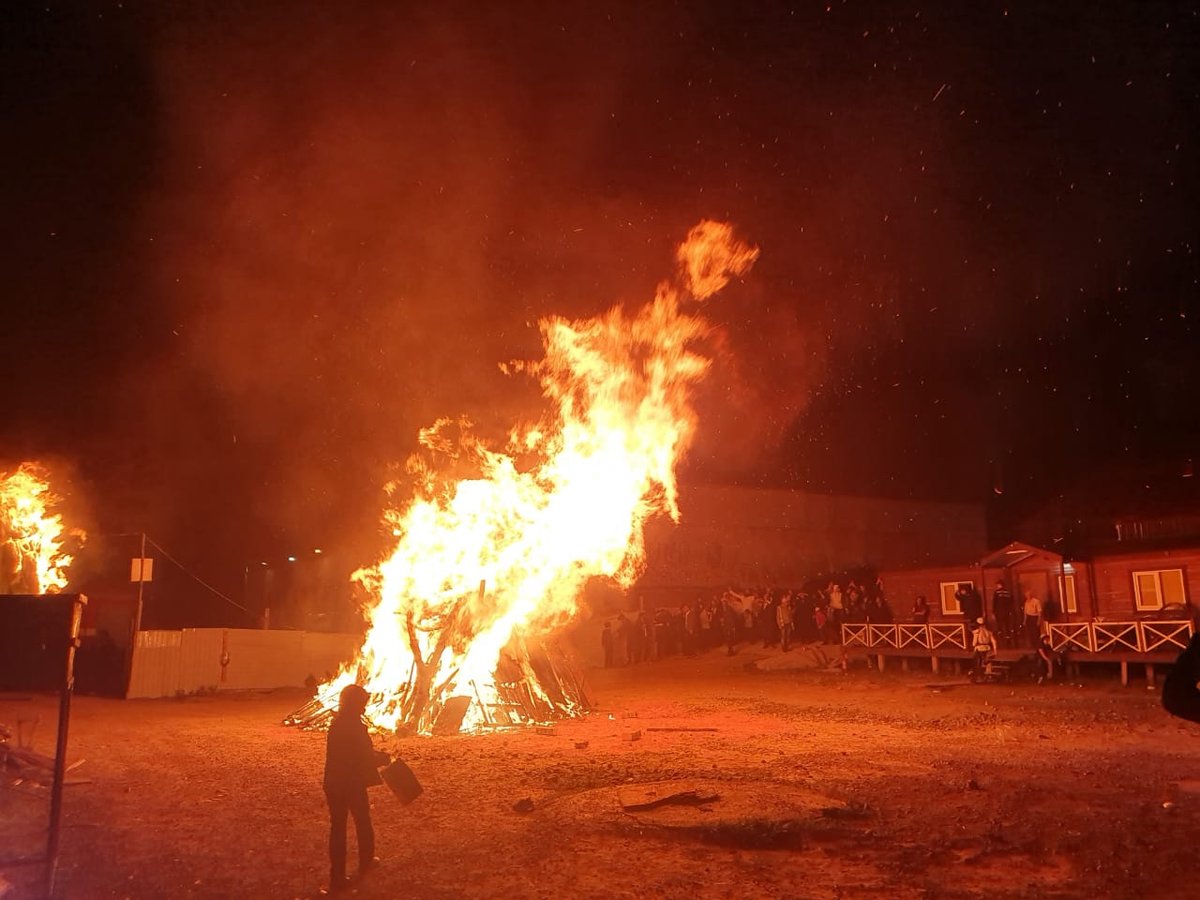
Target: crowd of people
814 614
774 618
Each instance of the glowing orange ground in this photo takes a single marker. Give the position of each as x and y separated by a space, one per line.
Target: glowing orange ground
831 786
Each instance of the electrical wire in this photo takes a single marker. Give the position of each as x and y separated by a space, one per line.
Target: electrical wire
186 571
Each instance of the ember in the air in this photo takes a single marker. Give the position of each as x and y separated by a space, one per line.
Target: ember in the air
32 558
486 567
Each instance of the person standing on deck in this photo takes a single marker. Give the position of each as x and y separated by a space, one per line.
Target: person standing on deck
920 610
1032 623
970 603
1005 612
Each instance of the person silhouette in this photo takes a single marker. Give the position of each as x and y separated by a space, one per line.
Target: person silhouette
351 764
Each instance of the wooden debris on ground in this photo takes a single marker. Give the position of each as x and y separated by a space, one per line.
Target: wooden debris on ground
852 810
23 764
648 800
682 729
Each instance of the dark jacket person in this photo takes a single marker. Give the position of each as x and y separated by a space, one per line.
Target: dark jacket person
350 768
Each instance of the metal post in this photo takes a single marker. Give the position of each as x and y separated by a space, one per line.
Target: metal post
60 752
137 618
136 624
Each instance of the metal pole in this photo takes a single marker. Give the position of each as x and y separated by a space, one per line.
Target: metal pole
60 753
137 618
136 624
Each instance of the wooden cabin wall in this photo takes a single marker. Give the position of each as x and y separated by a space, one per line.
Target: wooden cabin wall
902 587
1113 575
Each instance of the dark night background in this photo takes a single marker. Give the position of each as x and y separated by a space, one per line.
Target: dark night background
250 248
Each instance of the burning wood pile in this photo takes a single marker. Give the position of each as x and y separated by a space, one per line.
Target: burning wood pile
533 682
490 564
531 685
32 557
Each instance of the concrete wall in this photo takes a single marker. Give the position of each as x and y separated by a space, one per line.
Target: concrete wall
166 663
755 538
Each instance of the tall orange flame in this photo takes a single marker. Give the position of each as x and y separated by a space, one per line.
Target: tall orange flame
32 560
564 501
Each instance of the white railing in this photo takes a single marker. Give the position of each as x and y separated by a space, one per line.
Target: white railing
1072 636
943 634
1169 634
897 637
1090 637
856 636
910 635
1145 636
1116 636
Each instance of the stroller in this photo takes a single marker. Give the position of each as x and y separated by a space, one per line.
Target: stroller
991 672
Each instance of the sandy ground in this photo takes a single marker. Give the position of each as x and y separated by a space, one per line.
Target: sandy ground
829 785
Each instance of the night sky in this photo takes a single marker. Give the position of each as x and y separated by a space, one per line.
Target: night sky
250 248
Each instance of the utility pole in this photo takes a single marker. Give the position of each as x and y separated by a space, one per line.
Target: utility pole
137 616
136 624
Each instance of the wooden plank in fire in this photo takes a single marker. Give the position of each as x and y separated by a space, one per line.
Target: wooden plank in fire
518 697
566 669
450 717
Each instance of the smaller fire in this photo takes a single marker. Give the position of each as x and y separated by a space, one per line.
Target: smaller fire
32 558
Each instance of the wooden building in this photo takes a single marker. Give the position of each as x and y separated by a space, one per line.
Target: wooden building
1132 584
1120 605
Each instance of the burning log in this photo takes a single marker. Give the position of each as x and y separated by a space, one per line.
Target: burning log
313 715
423 703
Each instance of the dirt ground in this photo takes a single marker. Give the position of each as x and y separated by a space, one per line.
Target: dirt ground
828 784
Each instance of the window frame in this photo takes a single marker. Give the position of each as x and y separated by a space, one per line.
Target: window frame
1157 574
1066 594
951 606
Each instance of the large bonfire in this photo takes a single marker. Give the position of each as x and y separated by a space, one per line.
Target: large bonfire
32 556
487 566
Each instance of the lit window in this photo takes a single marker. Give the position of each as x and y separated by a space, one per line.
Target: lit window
1158 588
1066 593
950 605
